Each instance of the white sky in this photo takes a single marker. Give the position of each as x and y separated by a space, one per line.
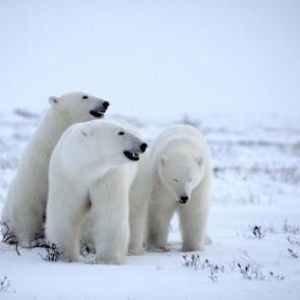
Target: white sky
153 58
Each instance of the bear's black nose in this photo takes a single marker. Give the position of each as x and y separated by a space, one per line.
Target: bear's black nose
105 104
143 147
184 199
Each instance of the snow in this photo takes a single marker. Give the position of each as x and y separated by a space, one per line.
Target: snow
256 185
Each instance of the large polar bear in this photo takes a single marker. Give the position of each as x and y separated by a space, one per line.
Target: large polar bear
138 178
82 183
181 178
25 205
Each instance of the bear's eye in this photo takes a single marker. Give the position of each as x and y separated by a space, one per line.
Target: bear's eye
85 97
176 180
121 133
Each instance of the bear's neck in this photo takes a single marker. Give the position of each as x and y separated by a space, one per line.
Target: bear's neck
51 128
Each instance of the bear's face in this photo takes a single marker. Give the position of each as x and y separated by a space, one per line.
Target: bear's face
181 174
111 143
79 107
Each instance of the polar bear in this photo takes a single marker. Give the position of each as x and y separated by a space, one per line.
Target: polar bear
138 178
81 170
181 179
25 205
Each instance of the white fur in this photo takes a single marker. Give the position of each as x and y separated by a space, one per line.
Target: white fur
180 166
89 176
138 178
26 200
139 203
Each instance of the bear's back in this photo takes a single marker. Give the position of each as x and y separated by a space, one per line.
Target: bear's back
177 135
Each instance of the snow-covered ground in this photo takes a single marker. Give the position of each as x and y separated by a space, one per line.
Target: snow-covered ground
254 224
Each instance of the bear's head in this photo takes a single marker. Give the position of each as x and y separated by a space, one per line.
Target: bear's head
181 173
79 107
111 143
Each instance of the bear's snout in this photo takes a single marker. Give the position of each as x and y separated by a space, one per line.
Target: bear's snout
143 147
98 111
183 199
105 104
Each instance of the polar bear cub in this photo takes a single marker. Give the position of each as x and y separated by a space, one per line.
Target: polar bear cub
79 185
25 205
181 179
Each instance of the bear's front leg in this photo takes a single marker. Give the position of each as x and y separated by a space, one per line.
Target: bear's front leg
138 222
66 211
193 219
161 210
139 198
110 221
26 227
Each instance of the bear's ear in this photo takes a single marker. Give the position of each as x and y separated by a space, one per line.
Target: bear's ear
199 160
53 101
87 130
163 160
84 132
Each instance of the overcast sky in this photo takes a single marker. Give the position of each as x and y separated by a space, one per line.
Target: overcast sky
153 58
